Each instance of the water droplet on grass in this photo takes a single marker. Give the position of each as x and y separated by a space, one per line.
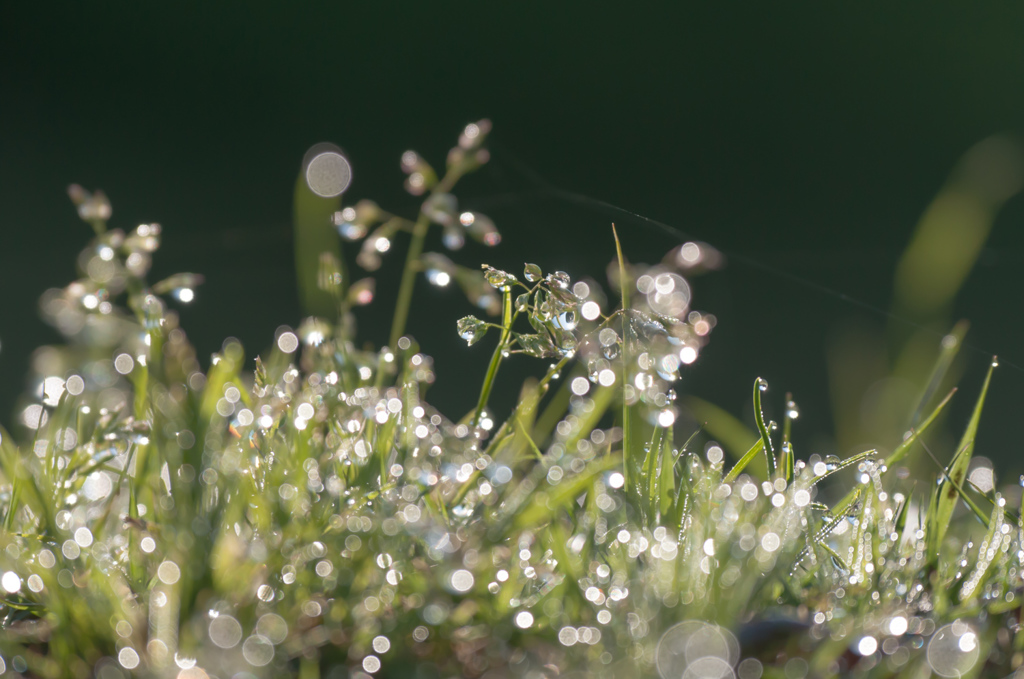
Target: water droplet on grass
471 329
559 280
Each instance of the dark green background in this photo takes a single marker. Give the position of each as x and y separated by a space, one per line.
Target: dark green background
809 137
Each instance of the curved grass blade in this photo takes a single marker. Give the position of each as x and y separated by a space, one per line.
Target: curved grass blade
759 386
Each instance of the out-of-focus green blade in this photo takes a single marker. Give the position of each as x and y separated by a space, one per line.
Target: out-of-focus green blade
904 447
951 344
727 430
744 461
540 508
313 235
628 416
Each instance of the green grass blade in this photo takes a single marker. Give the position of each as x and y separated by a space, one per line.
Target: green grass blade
734 436
744 461
940 511
960 489
759 386
627 427
650 472
970 592
835 556
313 236
845 464
553 412
538 510
903 448
602 398
786 455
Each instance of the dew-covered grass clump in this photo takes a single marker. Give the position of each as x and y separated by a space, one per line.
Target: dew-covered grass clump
308 514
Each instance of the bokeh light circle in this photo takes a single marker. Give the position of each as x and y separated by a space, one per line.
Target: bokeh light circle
328 172
953 650
695 648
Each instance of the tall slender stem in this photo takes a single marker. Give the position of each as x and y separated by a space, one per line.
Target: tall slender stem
627 434
419 234
492 369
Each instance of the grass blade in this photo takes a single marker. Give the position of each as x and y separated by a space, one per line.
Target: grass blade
944 498
627 428
313 236
759 386
744 461
730 432
903 448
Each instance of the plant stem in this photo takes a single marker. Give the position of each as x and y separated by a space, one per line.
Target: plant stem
627 435
419 234
551 374
492 369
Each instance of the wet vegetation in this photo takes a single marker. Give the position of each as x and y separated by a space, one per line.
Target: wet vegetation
309 514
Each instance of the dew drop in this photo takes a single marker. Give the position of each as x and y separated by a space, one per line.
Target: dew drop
567 320
265 593
471 329
559 279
